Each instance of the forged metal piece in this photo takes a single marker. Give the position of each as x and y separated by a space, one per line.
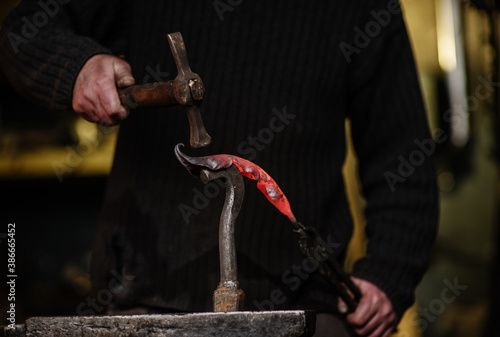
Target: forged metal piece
309 239
186 89
265 183
227 296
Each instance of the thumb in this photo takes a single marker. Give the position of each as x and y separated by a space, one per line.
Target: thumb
123 74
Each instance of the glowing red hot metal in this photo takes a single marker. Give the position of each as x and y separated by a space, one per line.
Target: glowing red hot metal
265 183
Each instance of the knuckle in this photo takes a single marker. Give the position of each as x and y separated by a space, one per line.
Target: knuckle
101 82
114 109
356 321
77 106
86 93
80 107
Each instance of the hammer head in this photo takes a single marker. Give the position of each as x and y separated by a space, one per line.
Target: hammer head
189 91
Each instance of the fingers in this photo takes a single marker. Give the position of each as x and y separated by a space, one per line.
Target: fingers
374 316
95 97
123 75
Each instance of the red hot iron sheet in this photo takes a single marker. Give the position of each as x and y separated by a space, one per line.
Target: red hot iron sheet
265 183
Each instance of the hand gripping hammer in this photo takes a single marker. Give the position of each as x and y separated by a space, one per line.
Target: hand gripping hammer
186 89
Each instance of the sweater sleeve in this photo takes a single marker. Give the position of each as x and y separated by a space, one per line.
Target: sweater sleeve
42 49
395 151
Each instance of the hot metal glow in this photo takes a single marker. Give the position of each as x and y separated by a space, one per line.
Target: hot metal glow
265 183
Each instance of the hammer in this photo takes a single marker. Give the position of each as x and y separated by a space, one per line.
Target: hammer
186 89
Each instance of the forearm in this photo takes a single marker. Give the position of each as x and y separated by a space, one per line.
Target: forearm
388 120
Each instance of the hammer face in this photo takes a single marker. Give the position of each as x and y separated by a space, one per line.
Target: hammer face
199 136
197 89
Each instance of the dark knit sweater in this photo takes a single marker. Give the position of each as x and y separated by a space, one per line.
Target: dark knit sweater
281 78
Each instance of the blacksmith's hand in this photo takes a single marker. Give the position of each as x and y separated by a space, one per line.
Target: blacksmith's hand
95 96
374 316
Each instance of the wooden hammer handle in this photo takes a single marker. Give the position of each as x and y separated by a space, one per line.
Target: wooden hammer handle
148 95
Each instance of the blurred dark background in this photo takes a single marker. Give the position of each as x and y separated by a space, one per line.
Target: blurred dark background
53 169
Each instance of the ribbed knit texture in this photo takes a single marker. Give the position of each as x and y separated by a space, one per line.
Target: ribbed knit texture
264 57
